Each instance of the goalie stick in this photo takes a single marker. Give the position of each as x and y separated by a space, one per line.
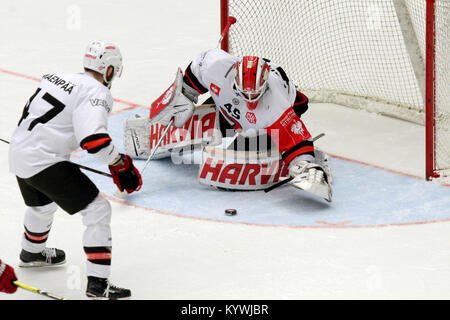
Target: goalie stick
79 165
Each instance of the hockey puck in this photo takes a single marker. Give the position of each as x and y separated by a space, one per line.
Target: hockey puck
230 212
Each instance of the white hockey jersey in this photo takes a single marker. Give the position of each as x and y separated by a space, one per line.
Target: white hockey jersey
67 111
213 71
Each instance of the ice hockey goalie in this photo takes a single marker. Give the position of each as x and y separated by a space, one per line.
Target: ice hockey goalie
250 130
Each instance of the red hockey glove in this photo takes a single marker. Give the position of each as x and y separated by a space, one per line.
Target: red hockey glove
7 276
125 175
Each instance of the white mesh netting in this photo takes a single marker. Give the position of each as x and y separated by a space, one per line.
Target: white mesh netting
361 54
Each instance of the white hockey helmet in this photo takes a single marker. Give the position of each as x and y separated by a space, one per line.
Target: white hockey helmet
250 79
100 55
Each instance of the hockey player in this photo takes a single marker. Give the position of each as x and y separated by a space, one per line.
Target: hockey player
68 111
252 94
7 276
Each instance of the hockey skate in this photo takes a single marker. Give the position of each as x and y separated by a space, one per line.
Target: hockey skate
101 289
47 257
312 178
323 159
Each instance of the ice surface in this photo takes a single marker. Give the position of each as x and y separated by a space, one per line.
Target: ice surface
384 236
358 189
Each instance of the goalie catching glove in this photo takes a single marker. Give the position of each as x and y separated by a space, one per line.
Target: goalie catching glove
311 177
172 104
125 175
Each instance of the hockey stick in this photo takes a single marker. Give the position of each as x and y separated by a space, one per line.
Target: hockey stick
231 20
203 106
79 165
279 184
118 193
157 145
38 291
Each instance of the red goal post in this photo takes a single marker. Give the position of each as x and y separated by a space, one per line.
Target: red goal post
391 57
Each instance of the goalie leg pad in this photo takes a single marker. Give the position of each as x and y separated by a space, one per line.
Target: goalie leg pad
201 130
136 139
323 159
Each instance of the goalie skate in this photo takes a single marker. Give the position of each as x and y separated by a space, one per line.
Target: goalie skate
311 178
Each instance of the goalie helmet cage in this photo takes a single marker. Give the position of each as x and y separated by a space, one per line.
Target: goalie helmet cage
385 56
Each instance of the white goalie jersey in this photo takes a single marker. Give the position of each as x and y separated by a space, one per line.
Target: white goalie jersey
66 112
277 113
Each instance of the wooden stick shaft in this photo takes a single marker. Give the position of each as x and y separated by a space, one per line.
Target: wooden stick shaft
79 165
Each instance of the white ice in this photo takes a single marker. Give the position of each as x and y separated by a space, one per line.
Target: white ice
163 254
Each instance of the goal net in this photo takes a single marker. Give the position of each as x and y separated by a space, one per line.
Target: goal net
364 54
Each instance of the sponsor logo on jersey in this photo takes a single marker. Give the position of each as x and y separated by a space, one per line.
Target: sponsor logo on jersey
250 116
100 103
297 128
214 89
67 86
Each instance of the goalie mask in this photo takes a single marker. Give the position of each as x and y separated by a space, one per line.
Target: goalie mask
99 56
250 80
